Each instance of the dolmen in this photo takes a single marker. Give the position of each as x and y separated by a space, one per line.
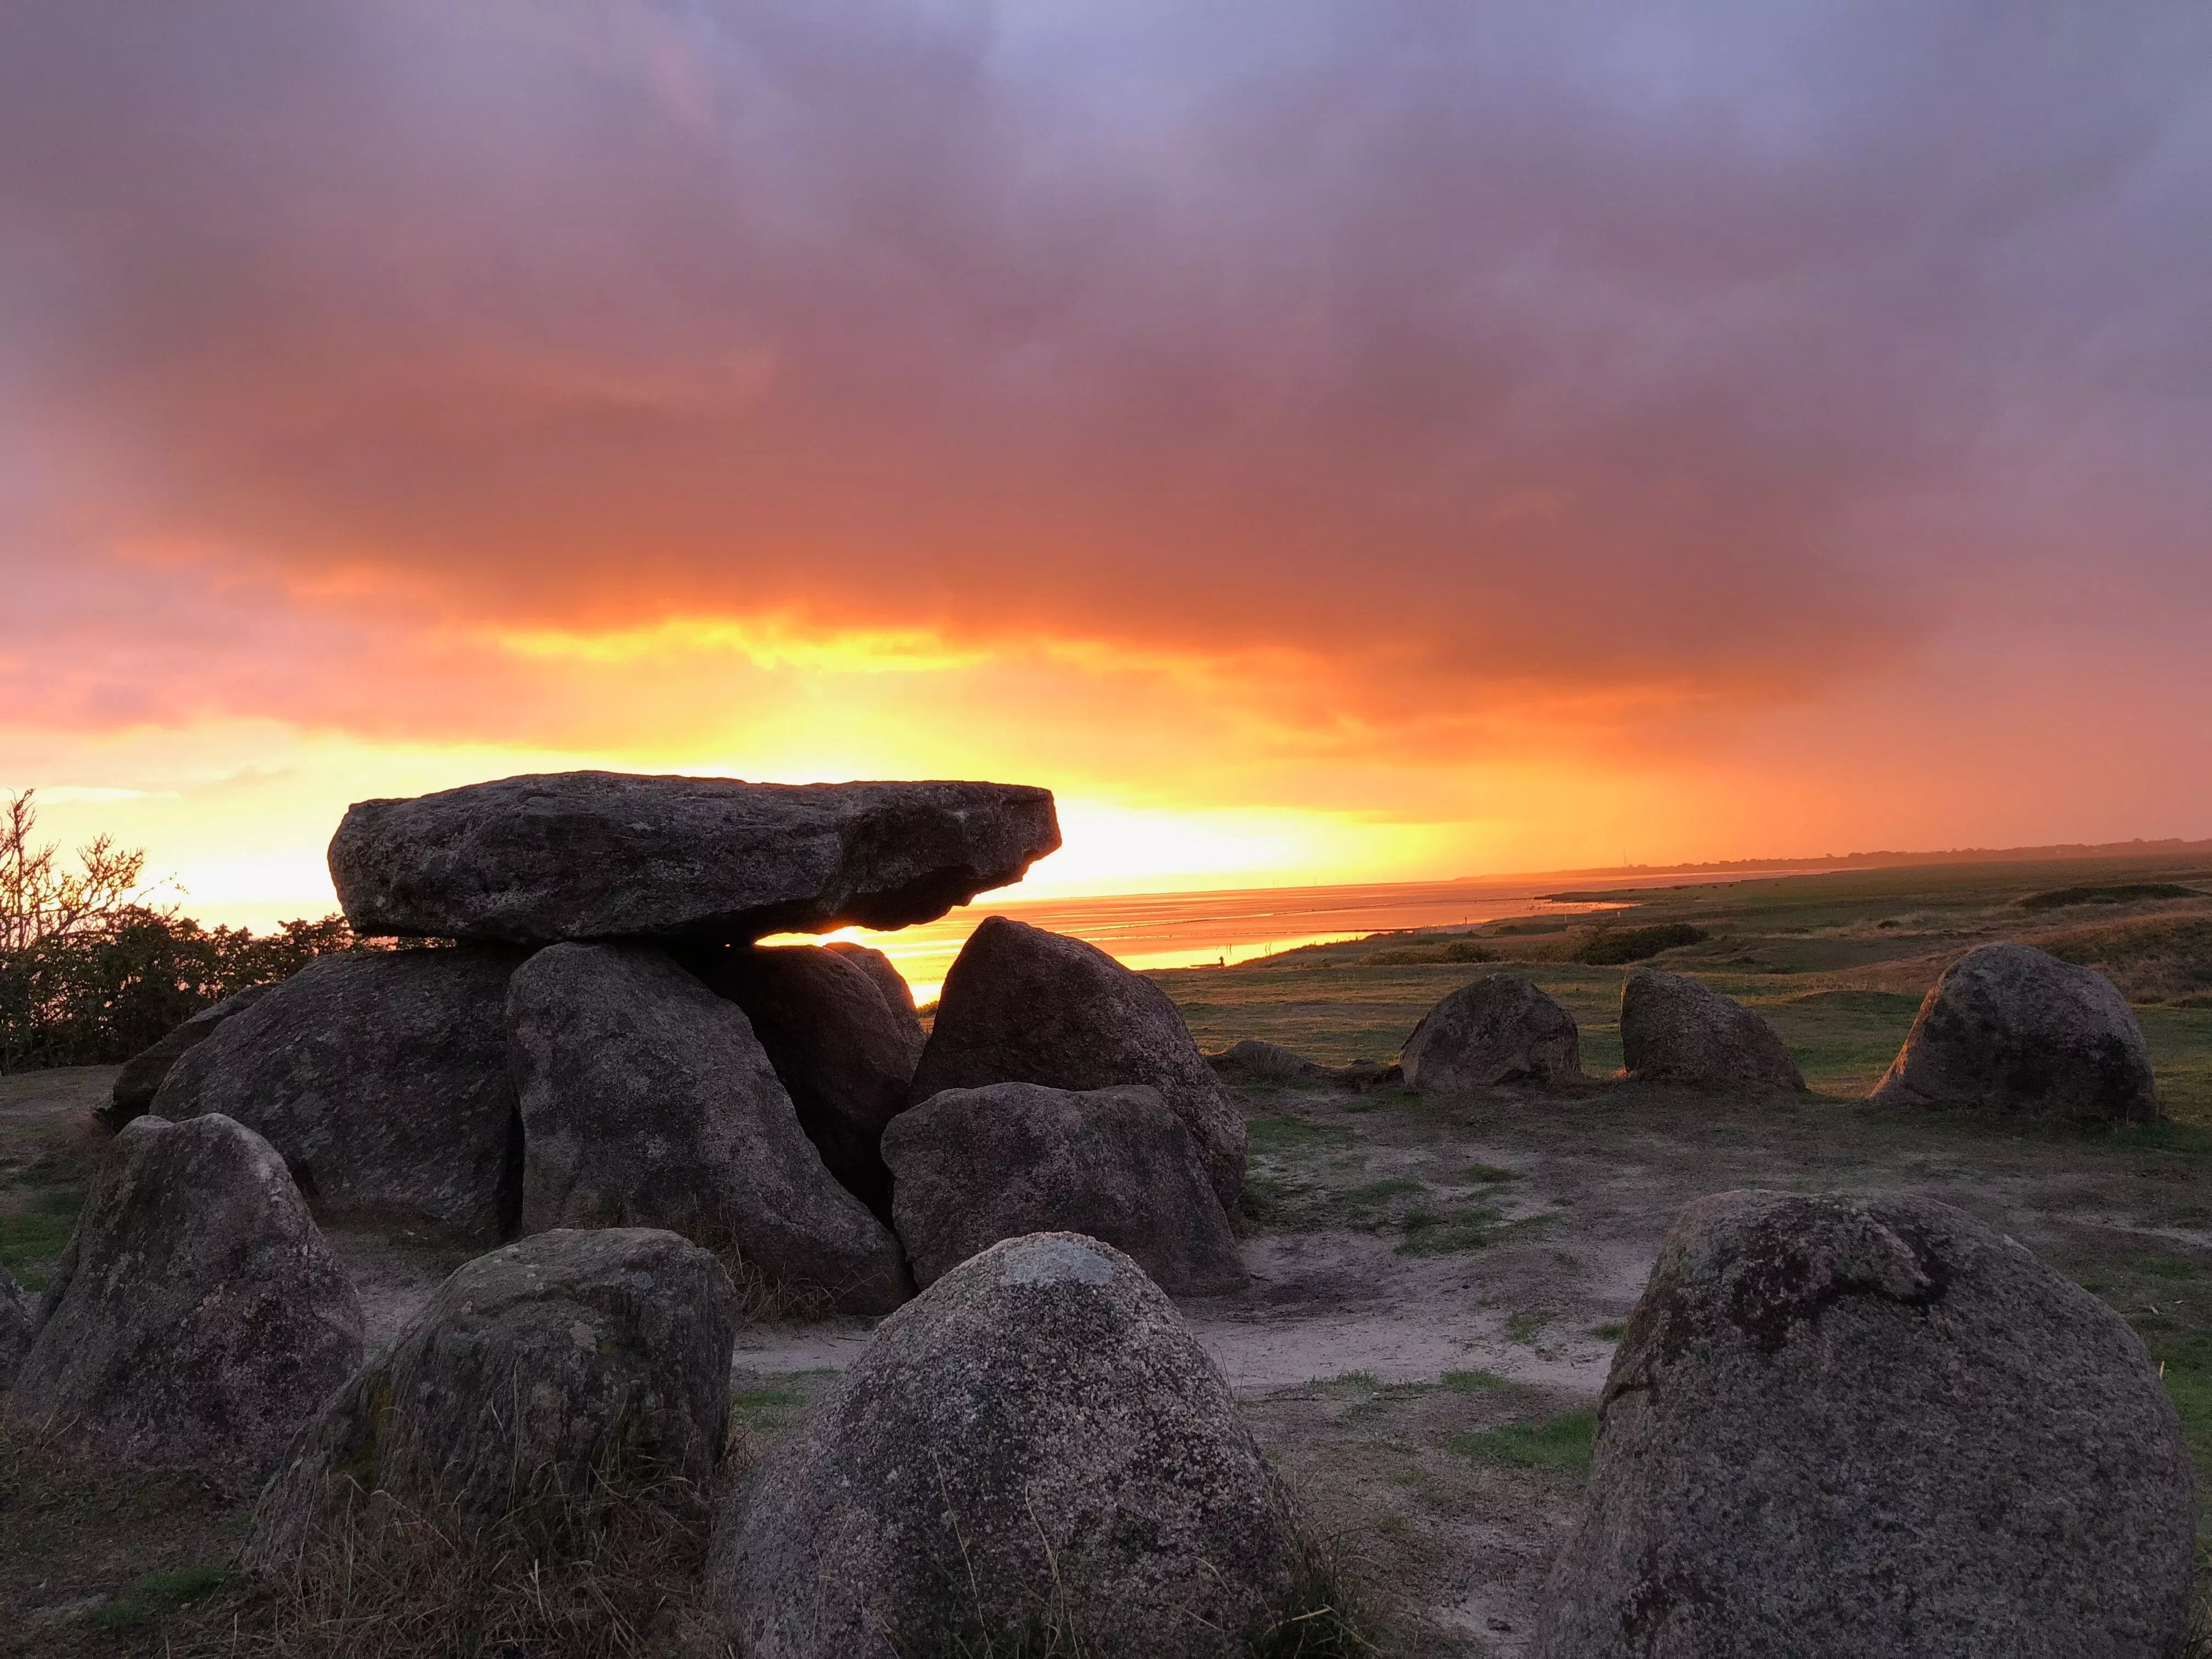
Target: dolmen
1500 1029
1840 1426
2014 1030
1675 1029
198 1317
582 1030
1034 1449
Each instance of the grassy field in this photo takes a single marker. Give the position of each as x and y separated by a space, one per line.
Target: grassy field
1838 964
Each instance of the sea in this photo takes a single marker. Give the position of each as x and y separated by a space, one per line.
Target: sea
1226 928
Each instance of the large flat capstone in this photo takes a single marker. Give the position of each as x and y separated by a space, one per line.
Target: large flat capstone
580 856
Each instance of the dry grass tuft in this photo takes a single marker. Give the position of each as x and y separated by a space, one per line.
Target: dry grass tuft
620 1580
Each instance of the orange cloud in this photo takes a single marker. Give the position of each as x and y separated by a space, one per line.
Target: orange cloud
1441 440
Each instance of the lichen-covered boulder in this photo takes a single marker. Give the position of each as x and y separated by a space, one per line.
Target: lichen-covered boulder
1500 1029
973 1166
2013 1030
197 1318
578 855
1842 1426
1674 1029
844 1052
1036 1438
647 1102
19 1323
142 1074
382 1078
545 1374
1024 1006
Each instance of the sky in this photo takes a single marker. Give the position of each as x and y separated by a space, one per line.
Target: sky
1352 441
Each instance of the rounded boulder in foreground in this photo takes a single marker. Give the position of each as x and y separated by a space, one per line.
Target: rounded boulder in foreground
1675 1029
2011 1028
538 1377
1500 1029
1036 1440
1845 1426
198 1317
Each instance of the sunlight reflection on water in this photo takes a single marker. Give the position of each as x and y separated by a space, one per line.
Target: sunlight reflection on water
1188 930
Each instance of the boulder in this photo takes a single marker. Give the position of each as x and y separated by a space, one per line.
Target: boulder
1674 1029
844 1053
1500 1029
1840 1426
1024 1006
2014 1029
577 855
647 1102
973 1166
142 1073
1037 1440
197 1318
382 1077
898 995
551 1371
19 1323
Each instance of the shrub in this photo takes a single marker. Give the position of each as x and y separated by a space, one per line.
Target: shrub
92 972
1610 947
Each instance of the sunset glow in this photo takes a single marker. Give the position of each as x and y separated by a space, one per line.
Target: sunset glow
1323 443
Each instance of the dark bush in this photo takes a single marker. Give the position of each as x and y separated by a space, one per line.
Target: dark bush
2127 893
1611 946
100 995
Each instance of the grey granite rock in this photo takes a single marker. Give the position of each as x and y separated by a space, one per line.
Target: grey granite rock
2013 1030
1024 1006
19 1323
197 1318
973 1166
1674 1029
539 1375
576 856
142 1074
1036 1438
382 1077
898 995
647 1102
1842 1426
1500 1028
843 1051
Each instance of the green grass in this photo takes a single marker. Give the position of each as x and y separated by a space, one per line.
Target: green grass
1488 1175
144 1600
1462 1230
1562 1444
1293 1134
35 1234
1612 1331
1472 1382
1522 1326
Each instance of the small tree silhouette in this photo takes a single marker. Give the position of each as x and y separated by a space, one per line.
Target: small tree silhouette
40 900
